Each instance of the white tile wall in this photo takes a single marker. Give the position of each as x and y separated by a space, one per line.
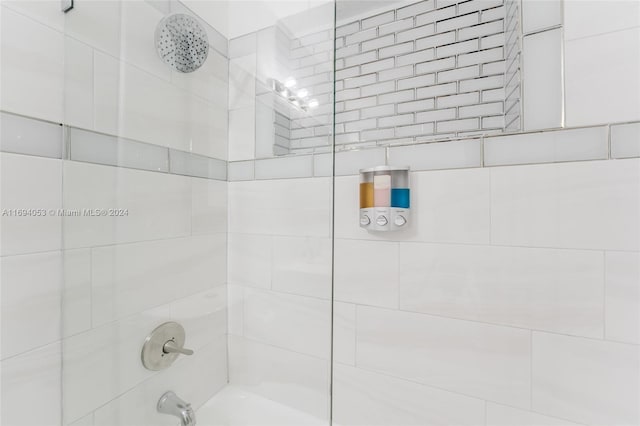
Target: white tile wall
622 297
366 272
297 380
587 381
554 290
250 258
292 207
33 376
540 15
78 83
543 86
592 17
367 398
33 72
297 323
131 278
485 361
208 206
590 205
31 301
589 86
344 333
159 205
502 415
30 183
302 266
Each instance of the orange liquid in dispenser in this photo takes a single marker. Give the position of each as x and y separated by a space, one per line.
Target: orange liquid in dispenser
366 195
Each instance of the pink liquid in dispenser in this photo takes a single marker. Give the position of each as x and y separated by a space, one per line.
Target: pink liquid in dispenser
382 190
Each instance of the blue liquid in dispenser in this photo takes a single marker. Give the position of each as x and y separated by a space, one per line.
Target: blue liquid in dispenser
400 197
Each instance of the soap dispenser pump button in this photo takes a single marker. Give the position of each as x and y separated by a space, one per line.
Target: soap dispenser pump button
381 221
364 220
400 220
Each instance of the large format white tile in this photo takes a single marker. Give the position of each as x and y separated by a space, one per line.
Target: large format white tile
109 356
294 207
98 24
602 84
242 134
158 205
32 67
44 11
107 97
297 380
250 260
302 266
344 333
622 298
544 289
76 296
587 381
368 399
208 206
130 278
297 323
78 84
591 143
235 309
591 205
366 272
502 415
31 301
543 91
539 15
30 183
29 378
242 82
485 361
585 18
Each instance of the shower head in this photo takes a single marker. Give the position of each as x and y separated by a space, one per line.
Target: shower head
181 42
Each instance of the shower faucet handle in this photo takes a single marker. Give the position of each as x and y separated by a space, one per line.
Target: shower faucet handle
172 347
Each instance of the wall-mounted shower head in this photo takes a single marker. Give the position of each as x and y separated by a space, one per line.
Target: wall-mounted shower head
181 42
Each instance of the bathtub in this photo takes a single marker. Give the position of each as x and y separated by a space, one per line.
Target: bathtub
234 406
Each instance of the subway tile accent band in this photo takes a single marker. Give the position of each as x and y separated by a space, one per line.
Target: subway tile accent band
22 135
29 136
536 147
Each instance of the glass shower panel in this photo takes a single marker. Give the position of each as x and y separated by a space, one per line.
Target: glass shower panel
202 198
280 214
145 202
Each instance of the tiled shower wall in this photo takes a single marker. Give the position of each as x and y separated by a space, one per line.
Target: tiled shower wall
83 292
512 299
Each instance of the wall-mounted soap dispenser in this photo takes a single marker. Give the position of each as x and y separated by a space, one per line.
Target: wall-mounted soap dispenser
384 198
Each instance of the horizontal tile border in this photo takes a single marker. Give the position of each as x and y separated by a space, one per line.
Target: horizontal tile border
586 143
31 136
